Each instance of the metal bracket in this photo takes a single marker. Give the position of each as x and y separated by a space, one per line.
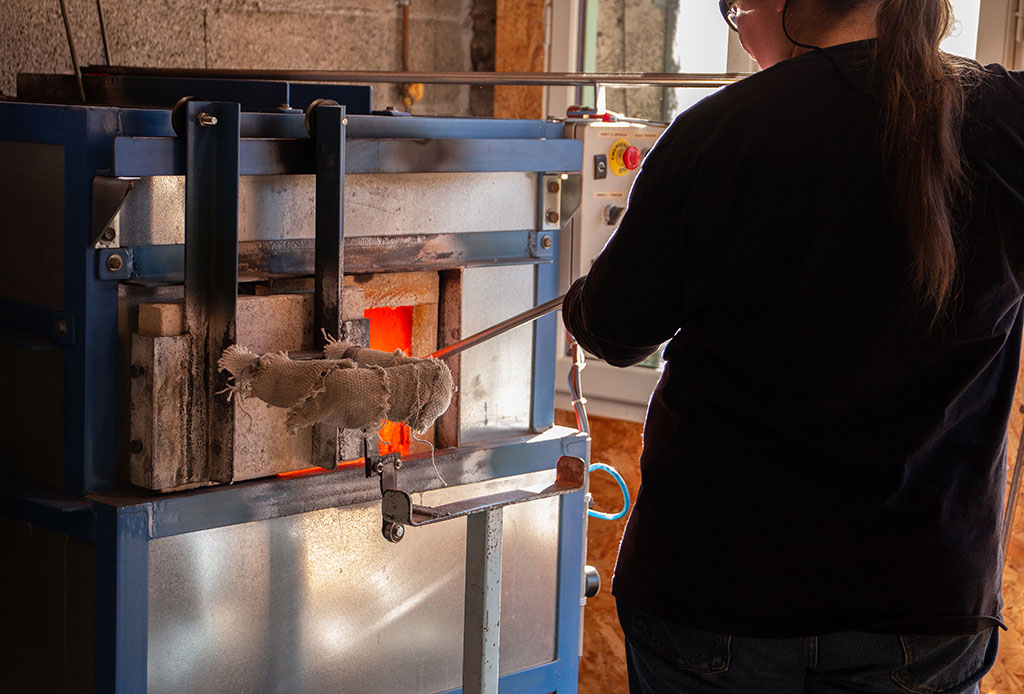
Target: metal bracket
550 203
397 508
108 197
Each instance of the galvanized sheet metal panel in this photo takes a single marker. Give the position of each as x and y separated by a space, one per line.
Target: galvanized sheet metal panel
283 207
495 383
320 602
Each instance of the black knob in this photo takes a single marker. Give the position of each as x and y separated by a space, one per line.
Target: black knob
612 213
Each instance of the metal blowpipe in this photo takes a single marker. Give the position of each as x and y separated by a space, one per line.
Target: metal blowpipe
499 328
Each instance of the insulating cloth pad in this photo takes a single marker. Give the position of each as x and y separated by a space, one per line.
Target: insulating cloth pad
351 388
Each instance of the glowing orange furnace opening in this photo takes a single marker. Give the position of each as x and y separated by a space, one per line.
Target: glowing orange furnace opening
390 329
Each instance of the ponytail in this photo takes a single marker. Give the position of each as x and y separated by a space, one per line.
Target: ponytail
923 94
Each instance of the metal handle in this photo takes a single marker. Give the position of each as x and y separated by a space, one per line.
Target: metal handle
499 328
397 506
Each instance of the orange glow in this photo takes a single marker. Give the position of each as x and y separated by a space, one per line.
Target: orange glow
306 472
391 329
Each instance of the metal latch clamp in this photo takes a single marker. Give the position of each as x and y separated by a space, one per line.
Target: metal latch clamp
398 510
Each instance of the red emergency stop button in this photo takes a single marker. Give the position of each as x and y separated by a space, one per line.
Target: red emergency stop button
623 157
631 157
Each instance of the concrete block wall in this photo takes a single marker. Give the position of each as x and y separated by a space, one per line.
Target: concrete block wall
288 34
631 38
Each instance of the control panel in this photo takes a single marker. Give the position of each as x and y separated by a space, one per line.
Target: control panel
613 153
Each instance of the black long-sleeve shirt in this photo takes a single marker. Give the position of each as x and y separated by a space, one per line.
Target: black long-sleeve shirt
817 457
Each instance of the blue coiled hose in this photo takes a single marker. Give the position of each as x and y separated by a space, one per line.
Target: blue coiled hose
622 485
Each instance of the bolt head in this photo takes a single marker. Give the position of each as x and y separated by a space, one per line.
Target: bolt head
546 241
551 217
206 120
108 234
393 532
61 327
137 446
379 467
554 186
115 262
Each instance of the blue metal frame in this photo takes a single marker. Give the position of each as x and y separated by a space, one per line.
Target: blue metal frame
90 365
122 599
166 263
545 339
124 141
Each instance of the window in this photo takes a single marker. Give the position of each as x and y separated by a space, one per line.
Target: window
689 36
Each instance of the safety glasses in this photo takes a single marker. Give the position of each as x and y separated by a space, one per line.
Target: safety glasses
728 9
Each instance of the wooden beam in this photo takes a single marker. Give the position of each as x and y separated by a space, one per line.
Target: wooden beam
519 47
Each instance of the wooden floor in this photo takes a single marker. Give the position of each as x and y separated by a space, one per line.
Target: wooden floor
603 667
1007 677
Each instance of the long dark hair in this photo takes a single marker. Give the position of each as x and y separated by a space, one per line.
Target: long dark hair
922 91
923 96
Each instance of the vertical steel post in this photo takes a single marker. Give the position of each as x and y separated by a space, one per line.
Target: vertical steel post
122 600
481 635
545 330
211 282
329 137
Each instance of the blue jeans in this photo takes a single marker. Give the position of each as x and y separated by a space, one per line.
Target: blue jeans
663 657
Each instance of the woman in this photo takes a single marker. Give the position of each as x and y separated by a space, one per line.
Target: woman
835 246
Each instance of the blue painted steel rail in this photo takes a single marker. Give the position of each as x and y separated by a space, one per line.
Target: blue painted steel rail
291 257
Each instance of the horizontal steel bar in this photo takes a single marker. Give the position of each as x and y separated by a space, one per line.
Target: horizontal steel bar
255 500
34 327
163 156
65 515
363 254
610 79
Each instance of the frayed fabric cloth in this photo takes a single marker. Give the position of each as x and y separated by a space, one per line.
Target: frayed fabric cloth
351 388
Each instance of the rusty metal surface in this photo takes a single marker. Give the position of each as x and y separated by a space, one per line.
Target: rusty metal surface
329 252
211 284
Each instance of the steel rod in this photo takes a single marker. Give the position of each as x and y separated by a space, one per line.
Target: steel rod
568 79
103 33
1012 499
499 328
71 49
481 633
